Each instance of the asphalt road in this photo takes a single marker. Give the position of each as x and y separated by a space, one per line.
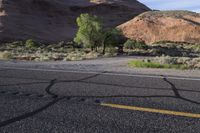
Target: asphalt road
36 101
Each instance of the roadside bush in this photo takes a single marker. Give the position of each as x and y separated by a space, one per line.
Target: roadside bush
61 44
75 56
196 48
111 50
129 43
133 44
183 60
166 60
31 43
72 44
15 44
149 64
43 58
6 55
155 51
192 63
91 55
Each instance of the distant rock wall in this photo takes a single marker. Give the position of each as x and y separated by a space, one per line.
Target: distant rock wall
155 26
55 20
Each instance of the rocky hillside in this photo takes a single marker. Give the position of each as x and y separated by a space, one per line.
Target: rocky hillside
55 20
155 26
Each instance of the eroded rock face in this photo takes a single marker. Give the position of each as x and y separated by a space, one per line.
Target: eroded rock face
55 20
155 26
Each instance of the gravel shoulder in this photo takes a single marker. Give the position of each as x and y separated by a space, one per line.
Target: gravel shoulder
112 65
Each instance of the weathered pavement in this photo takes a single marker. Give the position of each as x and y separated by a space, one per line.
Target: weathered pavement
49 101
113 65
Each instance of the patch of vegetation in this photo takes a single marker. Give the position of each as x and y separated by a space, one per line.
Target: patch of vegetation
168 62
91 33
170 42
93 40
111 38
31 43
192 63
174 49
178 49
133 44
6 55
172 13
143 64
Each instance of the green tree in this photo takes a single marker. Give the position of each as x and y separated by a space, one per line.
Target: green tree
110 37
90 31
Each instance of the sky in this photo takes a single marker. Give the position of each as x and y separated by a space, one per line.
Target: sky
191 5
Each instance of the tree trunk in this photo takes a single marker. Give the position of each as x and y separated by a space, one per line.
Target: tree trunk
120 49
104 45
104 48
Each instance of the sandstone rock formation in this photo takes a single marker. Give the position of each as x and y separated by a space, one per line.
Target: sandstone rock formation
155 26
55 20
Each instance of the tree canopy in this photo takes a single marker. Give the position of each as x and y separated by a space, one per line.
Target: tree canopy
90 31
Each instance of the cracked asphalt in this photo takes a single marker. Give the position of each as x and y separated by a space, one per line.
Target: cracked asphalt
36 101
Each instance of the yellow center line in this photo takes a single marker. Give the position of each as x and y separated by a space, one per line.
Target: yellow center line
160 111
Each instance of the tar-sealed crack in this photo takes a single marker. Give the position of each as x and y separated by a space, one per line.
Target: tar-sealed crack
55 98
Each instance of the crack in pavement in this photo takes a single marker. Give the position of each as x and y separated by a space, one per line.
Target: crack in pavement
48 90
177 94
57 98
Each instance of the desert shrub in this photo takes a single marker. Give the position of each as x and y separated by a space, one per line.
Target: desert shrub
196 48
183 60
170 45
133 44
154 52
42 58
165 60
75 56
72 44
163 42
141 45
129 43
15 44
31 43
91 55
107 55
111 50
192 63
61 44
6 55
45 58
